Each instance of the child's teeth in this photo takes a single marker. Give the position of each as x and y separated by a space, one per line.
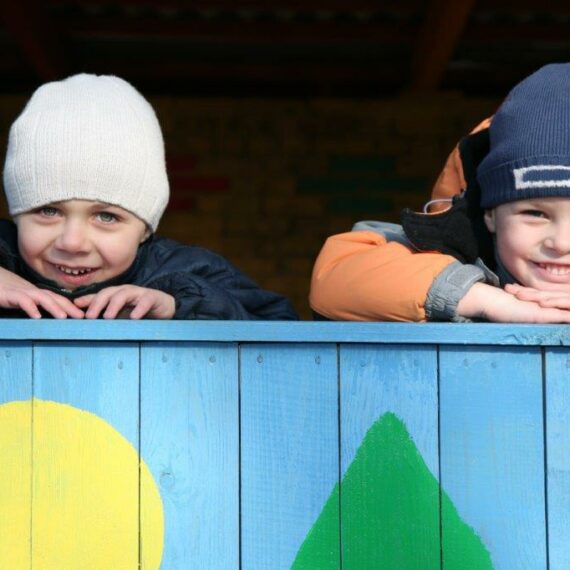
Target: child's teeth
73 271
557 269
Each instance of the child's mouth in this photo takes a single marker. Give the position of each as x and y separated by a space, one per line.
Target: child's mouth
555 269
74 275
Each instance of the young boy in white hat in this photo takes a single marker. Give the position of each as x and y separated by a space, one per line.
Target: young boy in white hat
86 183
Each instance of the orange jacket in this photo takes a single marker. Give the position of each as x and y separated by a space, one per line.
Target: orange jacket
366 276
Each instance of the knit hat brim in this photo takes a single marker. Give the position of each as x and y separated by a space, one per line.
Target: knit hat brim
87 137
529 154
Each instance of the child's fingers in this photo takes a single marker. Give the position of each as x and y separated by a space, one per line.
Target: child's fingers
143 307
516 289
84 301
30 300
98 304
546 298
66 305
532 294
558 302
117 302
29 307
50 304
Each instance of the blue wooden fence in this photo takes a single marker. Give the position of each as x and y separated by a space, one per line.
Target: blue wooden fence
275 445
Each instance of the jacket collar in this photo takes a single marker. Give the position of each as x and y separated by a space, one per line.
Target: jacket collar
459 231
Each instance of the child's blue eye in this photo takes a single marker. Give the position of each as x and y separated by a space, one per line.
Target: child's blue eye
107 217
534 213
48 211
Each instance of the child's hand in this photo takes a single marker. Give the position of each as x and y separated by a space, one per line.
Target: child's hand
17 293
557 299
501 306
128 301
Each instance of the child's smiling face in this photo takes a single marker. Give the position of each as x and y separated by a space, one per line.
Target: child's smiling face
79 242
533 241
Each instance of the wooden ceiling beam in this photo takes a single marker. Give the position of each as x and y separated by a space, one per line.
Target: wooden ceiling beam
521 6
28 24
237 32
525 34
277 73
259 5
437 40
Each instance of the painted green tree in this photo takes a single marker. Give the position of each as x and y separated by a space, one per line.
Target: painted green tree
390 513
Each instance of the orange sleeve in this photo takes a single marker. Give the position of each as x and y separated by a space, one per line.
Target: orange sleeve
359 276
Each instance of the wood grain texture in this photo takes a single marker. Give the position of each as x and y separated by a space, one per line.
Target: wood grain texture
289 448
557 368
257 428
307 332
16 455
103 380
379 379
492 456
401 528
15 371
190 440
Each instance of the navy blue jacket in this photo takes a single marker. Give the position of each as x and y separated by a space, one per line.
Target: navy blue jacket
203 284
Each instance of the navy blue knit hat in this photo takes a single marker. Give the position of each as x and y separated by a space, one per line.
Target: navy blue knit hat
529 153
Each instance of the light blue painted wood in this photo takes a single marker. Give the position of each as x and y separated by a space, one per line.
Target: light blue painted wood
379 379
190 440
557 368
16 385
15 371
492 450
271 331
289 447
102 379
491 422
401 380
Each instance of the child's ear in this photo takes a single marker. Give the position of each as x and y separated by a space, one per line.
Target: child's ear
145 236
490 220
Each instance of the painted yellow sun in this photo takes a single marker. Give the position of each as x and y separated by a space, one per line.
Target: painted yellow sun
74 502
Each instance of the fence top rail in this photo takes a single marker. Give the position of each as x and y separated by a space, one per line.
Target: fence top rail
304 332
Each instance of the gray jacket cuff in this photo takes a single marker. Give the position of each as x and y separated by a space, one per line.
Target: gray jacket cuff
449 287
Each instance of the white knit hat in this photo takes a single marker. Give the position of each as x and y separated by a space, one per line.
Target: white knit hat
87 137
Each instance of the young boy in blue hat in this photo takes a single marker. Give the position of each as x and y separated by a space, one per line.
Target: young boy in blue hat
500 252
86 183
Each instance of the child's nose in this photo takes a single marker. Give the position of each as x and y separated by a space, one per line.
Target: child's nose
559 241
73 237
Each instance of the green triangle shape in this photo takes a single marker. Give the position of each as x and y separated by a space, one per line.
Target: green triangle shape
390 513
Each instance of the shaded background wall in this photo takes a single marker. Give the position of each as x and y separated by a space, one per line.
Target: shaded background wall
264 182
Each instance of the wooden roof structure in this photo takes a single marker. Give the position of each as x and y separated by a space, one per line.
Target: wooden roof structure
284 47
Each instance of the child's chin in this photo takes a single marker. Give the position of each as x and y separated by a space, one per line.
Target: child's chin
72 283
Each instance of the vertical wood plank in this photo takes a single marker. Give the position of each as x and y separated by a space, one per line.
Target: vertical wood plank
389 435
557 368
190 440
289 452
99 377
492 454
85 510
15 454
